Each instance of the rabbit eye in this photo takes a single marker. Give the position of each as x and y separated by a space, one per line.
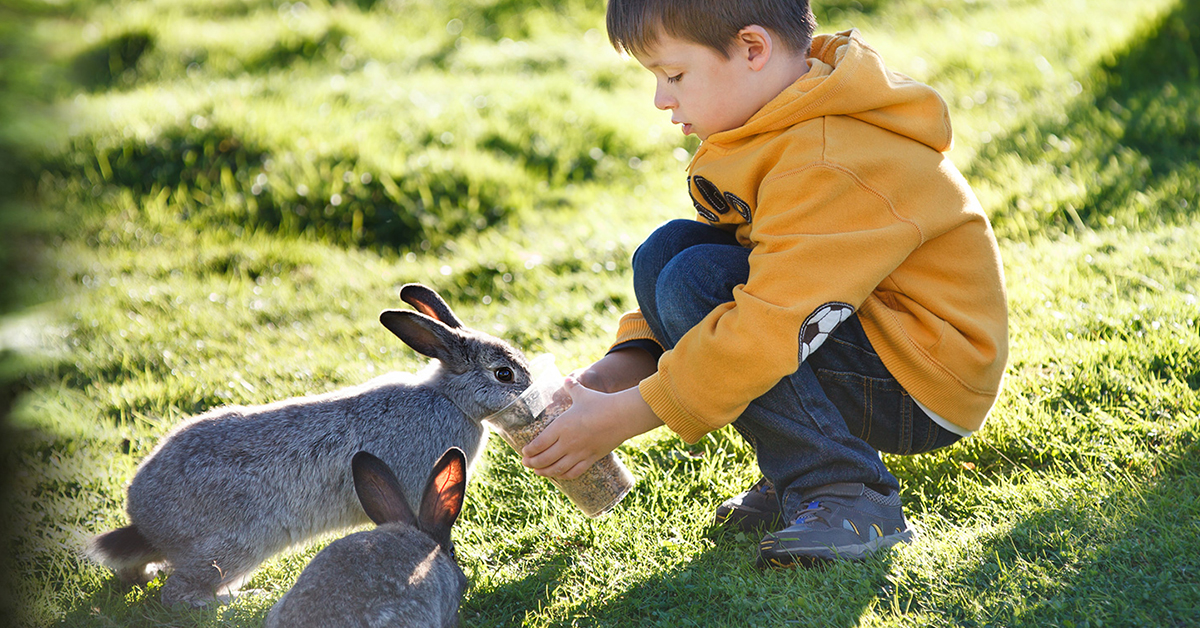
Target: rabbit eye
504 374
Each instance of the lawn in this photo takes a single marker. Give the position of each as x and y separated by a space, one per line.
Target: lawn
207 202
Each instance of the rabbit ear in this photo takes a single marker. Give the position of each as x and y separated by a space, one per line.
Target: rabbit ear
379 491
429 303
443 497
428 336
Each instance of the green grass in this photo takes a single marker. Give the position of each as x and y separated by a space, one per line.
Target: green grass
229 191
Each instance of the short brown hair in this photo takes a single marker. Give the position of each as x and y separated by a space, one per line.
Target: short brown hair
635 25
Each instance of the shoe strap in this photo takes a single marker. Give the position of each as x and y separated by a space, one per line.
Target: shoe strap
809 512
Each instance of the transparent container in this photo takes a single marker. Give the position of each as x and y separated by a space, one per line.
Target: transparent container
604 484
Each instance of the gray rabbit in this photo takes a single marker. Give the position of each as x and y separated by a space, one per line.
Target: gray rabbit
401 574
228 489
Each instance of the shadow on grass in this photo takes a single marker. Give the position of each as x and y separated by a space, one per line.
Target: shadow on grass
215 179
656 562
506 604
116 604
1130 146
713 588
723 587
1125 552
113 62
10 605
294 48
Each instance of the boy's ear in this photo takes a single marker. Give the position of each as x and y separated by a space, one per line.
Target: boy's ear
756 44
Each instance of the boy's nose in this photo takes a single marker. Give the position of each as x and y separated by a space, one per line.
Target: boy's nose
663 101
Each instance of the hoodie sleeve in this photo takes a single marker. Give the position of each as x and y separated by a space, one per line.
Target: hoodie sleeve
822 242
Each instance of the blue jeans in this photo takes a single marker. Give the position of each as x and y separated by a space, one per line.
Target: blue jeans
827 422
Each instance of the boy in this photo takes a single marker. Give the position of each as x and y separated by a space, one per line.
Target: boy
839 294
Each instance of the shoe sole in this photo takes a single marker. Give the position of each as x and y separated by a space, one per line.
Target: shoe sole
823 554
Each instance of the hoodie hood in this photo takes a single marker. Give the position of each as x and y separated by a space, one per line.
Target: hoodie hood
848 78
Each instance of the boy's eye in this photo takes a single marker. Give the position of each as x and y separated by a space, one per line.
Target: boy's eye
675 79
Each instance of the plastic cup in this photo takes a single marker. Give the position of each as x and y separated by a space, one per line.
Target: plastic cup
604 484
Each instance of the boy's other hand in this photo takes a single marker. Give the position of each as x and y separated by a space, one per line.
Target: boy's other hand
594 425
619 370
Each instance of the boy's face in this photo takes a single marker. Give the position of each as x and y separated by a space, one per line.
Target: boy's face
704 91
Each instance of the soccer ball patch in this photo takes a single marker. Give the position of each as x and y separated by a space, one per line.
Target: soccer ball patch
820 324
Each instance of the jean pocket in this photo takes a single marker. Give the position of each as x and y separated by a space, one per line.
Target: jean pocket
875 409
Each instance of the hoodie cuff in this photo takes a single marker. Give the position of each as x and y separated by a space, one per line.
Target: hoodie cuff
634 327
657 394
645 344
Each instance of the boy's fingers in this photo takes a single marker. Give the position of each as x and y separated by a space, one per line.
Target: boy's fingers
577 470
540 461
545 440
558 469
536 447
550 460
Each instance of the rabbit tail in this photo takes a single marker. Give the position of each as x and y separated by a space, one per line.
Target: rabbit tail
126 552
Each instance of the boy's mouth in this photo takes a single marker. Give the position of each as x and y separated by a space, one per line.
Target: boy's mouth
687 129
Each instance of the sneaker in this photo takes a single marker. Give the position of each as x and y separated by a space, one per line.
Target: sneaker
753 510
841 522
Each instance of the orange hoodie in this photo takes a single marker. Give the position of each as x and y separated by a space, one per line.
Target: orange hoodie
840 188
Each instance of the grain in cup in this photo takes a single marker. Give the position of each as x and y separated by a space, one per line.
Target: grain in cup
604 484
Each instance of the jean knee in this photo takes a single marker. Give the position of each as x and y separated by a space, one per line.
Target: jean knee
697 281
675 317
660 246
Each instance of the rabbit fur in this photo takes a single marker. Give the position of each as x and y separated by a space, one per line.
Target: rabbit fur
228 489
401 574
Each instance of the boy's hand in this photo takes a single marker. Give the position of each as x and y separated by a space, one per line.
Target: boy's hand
590 429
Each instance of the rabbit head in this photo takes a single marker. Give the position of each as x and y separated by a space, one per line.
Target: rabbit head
382 497
480 373
403 573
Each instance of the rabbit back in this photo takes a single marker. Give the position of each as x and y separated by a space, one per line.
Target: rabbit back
392 576
270 477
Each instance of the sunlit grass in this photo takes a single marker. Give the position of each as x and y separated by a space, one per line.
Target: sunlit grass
240 186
